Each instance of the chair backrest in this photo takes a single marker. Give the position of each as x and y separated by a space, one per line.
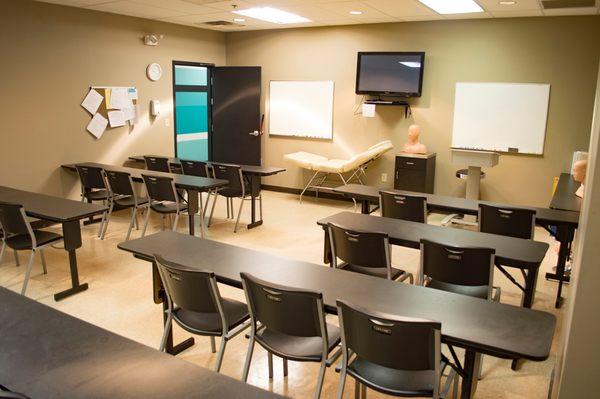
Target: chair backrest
459 270
405 207
359 248
13 220
231 173
160 188
157 164
287 310
192 290
391 341
90 177
513 222
194 168
119 183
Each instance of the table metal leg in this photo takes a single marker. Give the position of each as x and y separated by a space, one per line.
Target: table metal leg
364 207
565 236
72 240
254 194
470 368
192 210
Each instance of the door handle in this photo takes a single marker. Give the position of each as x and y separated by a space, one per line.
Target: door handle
254 133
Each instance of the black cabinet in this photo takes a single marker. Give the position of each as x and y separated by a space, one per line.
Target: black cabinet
415 172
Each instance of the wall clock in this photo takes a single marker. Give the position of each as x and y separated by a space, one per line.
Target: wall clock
154 72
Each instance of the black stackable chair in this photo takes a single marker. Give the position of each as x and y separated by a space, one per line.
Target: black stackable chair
363 252
512 222
405 207
157 164
467 271
198 169
237 188
292 326
20 236
4 247
195 304
122 193
163 199
397 356
93 187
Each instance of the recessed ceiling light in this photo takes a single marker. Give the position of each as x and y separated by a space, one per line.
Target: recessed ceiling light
452 6
356 12
239 20
271 14
507 3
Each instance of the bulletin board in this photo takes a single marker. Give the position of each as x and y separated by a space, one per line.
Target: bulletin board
110 107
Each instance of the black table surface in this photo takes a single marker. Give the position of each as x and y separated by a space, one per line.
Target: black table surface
51 208
459 205
510 251
45 353
492 328
181 181
247 169
564 197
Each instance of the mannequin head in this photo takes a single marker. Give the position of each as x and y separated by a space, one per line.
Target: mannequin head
579 170
414 131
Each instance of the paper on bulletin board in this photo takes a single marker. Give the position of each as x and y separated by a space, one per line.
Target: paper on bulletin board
92 101
116 118
132 93
119 98
97 125
131 113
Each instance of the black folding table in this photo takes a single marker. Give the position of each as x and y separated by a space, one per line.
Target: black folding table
57 210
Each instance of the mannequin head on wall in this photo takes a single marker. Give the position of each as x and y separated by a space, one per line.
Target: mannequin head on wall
579 172
413 146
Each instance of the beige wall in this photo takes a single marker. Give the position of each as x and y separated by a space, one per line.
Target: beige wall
577 369
50 55
561 51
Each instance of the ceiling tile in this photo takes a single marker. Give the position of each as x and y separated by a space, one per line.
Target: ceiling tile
176 5
469 15
571 11
494 5
401 8
516 13
228 5
343 8
135 9
74 3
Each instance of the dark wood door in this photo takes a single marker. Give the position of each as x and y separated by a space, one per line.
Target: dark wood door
236 116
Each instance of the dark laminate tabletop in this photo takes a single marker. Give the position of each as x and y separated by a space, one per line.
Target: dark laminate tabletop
460 205
181 181
47 354
564 197
488 327
51 208
509 251
246 169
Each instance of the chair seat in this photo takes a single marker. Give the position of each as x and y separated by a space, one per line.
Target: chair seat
478 291
168 207
96 195
128 201
210 323
373 271
391 381
298 348
23 241
233 192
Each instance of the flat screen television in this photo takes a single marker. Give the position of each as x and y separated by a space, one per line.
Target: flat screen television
390 73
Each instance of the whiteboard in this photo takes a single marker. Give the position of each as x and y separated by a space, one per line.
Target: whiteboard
301 109
504 117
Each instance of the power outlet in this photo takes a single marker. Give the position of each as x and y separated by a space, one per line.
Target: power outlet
167 122
384 177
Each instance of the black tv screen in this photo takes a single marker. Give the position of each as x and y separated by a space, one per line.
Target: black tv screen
391 74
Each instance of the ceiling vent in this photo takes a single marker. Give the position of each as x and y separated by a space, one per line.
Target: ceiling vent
558 4
219 23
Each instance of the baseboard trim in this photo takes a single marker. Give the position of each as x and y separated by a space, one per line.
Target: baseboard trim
311 194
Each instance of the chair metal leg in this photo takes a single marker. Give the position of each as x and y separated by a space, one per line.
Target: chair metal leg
356 389
237 221
2 251
146 223
341 384
175 222
270 365
321 378
43 261
137 224
363 391
16 254
228 207
248 359
167 330
285 367
162 222
28 273
132 222
308 185
220 355
260 205
455 387
104 226
213 346
212 210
